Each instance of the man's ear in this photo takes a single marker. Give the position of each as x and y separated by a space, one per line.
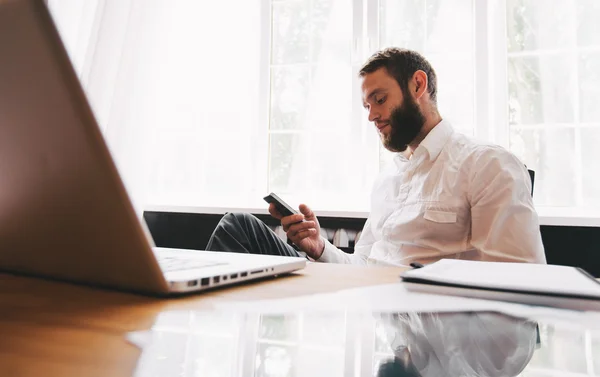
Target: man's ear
420 83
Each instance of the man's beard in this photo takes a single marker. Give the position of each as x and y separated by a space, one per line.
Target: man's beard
406 122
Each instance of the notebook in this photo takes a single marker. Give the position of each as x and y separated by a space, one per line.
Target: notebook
526 283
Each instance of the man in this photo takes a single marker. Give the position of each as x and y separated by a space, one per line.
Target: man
445 195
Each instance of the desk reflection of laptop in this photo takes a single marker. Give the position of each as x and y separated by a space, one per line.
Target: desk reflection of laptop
64 212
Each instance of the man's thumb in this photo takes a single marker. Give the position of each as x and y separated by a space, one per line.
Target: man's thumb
307 212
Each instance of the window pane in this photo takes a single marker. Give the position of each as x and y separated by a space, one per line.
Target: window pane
588 27
589 87
535 24
543 150
427 25
329 104
290 41
322 162
287 163
444 32
590 155
402 23
322 169
331 162
331 31
449 26
455 89
553 90
539 89
289 92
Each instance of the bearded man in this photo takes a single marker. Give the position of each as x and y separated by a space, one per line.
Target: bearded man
445 196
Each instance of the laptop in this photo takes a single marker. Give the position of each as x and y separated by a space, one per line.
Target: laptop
64 211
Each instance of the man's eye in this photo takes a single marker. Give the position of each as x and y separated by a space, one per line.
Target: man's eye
380 101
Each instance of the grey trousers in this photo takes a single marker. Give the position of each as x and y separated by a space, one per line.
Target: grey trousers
244 233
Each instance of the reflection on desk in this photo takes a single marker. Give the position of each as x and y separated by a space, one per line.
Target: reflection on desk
203 343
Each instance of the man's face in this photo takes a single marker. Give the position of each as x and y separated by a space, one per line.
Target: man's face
398 118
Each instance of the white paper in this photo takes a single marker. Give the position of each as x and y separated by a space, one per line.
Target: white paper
515 276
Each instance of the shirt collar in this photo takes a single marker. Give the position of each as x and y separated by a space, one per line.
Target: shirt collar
436 139
433 143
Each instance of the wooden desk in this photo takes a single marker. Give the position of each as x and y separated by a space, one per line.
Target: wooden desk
56 329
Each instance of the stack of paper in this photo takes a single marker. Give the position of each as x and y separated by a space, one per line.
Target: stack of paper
534 284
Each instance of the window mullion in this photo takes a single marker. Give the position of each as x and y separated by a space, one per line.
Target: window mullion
264 113
481 56
360 52
497 120
372 26
574 56
372 44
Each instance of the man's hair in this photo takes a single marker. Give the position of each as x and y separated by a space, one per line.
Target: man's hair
402 64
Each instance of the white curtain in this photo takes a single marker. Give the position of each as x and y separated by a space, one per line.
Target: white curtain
174 87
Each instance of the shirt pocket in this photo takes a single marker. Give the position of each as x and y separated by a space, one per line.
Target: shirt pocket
441 217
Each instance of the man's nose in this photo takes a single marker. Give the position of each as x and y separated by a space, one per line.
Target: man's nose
373 115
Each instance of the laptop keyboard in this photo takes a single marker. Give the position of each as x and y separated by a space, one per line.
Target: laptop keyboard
169 264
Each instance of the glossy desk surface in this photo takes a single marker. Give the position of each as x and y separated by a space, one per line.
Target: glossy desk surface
56 329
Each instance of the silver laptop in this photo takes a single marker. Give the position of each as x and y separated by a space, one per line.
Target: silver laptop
64 212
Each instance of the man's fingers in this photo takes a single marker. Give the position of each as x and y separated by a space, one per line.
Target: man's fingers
299 227
274 212
303 234
288 221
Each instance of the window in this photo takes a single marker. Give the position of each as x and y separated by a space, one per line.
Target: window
216 104
319 152
323 150
553 58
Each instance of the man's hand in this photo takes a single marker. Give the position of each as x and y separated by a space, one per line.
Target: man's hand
303 229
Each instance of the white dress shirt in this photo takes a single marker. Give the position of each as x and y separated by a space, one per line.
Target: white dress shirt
454 198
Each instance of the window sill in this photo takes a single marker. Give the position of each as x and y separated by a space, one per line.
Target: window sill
569 217
553 216
263 211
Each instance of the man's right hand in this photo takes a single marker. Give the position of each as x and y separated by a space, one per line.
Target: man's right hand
303 229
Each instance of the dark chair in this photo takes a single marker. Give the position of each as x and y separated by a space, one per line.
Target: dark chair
532 176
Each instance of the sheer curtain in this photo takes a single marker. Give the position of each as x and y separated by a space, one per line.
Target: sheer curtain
174 87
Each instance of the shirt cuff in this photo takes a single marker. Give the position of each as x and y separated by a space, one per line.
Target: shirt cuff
330 253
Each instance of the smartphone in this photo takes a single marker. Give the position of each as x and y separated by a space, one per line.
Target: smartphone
283 208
